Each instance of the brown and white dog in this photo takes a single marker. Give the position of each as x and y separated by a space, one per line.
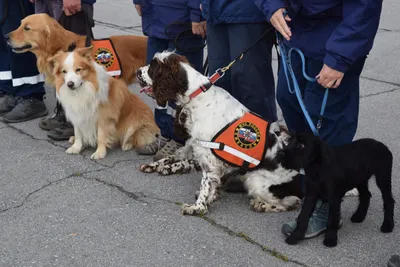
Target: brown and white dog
203 115
44 36
101 108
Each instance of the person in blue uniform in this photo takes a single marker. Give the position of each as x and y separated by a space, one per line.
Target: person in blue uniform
162 21
232 26
21 85
336 37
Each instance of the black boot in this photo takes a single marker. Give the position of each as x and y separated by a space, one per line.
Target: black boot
57 125
25 109
7 103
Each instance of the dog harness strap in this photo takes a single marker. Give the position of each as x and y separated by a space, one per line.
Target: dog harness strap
230 150
204 87
105 55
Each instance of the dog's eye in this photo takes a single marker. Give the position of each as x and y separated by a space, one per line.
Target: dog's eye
26 28
299 145
64 71
78 69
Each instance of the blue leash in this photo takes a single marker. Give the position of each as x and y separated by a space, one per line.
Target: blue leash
287 67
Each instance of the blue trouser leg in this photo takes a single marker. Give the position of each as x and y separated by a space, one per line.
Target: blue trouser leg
340 121
164 116
251 79
18 72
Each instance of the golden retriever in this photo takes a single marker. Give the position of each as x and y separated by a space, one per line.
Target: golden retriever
44 36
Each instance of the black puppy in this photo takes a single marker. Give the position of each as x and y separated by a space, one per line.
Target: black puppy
331 171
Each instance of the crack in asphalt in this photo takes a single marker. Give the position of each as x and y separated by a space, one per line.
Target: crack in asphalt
25 200
33 137
387 30
139 196
131 29
380 93
381 81
135 196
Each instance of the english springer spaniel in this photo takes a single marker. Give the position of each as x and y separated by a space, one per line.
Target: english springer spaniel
203 115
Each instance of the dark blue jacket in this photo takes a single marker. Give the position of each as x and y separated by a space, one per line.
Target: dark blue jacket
158 14
337 32
230 11
90 2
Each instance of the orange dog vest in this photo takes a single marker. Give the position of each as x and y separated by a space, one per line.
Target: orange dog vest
105 55
241 143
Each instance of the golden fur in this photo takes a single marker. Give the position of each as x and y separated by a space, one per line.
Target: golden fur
44 36
121 117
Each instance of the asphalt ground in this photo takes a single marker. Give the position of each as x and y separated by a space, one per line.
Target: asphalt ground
64 210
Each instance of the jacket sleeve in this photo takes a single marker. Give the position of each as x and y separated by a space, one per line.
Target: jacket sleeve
195 12
268 7
354 37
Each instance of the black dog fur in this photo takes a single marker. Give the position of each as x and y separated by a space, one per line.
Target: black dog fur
331 172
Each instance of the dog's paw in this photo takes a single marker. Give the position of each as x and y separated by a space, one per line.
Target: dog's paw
74 150
148 168
387 226
352 193
292 240
71 140
330 242
358 217
187 209
98 155
127 146
165 170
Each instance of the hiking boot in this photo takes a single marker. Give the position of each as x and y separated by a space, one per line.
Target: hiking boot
56 121
316 224
25 110
7 103
167 150
153 148
62 133
394 261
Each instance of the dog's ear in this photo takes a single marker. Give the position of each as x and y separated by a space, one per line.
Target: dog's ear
85 52
169 79
54 63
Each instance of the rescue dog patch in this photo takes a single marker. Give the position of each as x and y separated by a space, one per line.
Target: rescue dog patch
247 135
104 54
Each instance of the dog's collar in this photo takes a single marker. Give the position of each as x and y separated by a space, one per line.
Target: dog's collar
204 87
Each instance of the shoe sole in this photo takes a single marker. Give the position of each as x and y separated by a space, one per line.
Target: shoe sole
313 234
35 116
59 137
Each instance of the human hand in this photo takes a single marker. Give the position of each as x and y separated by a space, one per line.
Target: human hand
279 22
329 78
139 9
199 28
71 6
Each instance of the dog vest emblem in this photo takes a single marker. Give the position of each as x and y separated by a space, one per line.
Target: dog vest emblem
241 143
105 55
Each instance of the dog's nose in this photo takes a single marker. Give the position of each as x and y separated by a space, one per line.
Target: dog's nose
7 37
70 84
139 73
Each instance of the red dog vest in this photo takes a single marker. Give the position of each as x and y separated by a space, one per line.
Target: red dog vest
105 55
241 143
